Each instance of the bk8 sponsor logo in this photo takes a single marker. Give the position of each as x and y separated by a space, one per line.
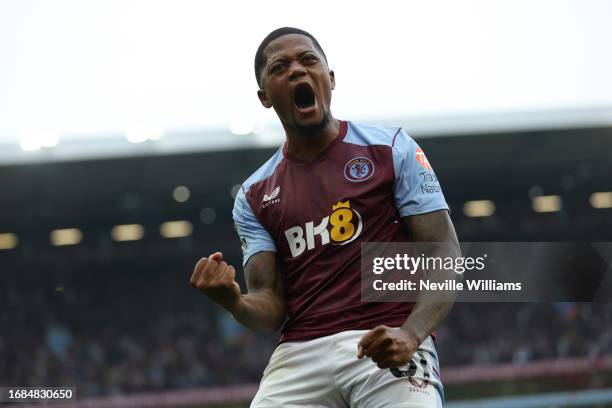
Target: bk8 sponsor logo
341 227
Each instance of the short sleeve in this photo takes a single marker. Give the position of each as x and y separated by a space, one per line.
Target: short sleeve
253 236
416 189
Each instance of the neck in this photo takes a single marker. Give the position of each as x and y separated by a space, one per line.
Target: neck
307 143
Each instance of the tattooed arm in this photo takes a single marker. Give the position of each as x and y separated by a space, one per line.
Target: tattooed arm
432 306
263 307
393 348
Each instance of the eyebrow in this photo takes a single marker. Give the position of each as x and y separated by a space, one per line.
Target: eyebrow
300 55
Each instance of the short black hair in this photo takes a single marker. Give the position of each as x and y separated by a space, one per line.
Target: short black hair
260 58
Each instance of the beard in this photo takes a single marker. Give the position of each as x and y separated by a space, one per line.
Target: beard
315 129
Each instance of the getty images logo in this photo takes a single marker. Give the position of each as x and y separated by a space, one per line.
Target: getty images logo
341 227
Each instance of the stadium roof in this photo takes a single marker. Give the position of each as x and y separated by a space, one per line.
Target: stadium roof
151 142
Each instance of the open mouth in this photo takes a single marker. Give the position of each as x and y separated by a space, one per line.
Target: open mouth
303 96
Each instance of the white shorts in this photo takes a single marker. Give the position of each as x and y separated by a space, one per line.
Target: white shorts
326 372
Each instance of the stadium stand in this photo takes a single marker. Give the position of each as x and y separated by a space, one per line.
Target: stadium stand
114 318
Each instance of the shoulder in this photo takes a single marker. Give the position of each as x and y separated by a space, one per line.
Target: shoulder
265 171
374 135
260 175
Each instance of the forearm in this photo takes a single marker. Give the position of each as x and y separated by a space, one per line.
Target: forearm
432 306
429 312
259 311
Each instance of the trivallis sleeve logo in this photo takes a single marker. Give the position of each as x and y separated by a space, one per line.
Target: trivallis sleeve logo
422 159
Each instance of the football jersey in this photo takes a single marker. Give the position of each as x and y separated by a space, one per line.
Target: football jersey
316 214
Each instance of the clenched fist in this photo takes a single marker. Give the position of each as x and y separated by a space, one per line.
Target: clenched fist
215 278
387 347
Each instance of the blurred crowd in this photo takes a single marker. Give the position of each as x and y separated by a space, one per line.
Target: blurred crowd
488 333
109 329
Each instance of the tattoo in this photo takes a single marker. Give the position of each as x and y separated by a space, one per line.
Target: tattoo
435 226
431 309
262 308
262 274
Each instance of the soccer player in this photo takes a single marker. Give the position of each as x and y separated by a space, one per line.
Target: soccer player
302 217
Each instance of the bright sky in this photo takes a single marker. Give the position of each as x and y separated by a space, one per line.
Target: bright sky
81 67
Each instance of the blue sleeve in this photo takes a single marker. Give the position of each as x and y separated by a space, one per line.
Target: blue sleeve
416 188
253 236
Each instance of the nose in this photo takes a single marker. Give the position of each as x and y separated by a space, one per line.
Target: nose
296 71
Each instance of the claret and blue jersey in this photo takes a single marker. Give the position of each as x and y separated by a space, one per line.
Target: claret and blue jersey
315 215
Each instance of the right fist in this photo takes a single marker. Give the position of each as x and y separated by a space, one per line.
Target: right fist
216 279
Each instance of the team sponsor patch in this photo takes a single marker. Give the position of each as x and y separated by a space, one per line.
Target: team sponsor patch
359 169
430 184
341 227
422 159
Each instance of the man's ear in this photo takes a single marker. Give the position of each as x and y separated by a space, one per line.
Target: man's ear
263 98
332 76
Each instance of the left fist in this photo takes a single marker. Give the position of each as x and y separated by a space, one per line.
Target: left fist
387 347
